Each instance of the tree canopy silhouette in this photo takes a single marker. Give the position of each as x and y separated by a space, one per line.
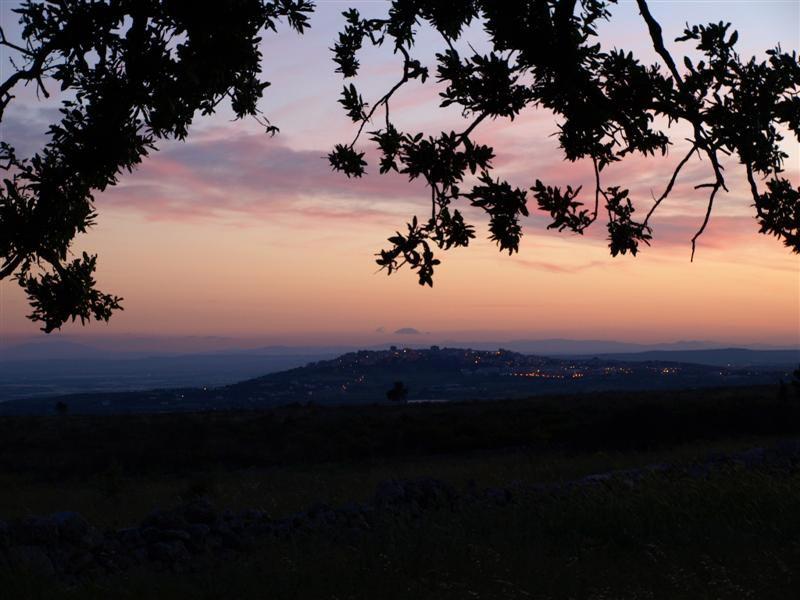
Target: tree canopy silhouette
547 53
398 392
135 72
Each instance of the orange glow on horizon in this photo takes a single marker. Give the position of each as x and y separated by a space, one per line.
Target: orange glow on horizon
237 234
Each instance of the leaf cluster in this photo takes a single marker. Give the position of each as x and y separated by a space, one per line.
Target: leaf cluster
547 54
133 73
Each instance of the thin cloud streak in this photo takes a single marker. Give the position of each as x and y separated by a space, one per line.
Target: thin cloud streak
552 267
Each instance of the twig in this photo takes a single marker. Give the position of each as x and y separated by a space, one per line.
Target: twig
596 193
670 184
386 97
692 113
10 266
700 231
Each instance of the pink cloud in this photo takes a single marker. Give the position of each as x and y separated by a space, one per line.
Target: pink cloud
243 179
252 176
551 267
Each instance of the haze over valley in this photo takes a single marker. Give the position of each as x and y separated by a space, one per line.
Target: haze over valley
273 376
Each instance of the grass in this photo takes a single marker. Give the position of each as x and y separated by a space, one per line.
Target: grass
79 446
116 469
732 536
116 499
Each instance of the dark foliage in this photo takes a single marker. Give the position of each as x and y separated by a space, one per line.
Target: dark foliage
136 72
546 53
398 393
80 446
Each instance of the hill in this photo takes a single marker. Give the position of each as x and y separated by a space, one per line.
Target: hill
720 357
431 375
551 497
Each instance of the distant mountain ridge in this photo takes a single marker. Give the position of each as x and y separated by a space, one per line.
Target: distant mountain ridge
433 374
64 349
77 368
721 357
569 347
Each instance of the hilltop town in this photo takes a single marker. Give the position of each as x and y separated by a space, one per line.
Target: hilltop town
435 374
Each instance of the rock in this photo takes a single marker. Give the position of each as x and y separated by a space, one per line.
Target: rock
430 493
200 511
162 519
128 560
198 531
139 555
351 508
5 534
198 536
168 552
262 529
108 561
112 546
71 526
36 531
300 520
499 496
419 493
699 471
751 458
351 514
130 537
66 545
236 523
151 534
169 535
282 528
595 479
213 542
31 558
368 516
154 534
413 507
317 509
79 562
717 458
321 515
228 516
787 451
232 540
252 515
389 492
92 538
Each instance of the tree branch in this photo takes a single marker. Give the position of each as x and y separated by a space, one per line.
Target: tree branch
692 113
658 41
52 258
670 184
10 266
4 42
715 189
386 97
597 191
34 72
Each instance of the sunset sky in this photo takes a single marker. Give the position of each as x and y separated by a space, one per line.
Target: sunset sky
237 234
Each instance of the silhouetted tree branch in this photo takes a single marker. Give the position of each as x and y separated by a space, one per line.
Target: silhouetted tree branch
135 73
546 53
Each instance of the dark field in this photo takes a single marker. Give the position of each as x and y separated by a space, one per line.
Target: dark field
734 534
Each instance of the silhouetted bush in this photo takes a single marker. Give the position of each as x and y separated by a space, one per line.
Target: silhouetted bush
398 393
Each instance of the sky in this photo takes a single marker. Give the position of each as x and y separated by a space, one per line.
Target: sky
236 234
